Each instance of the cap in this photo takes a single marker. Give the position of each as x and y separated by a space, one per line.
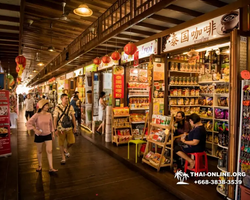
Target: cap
42 102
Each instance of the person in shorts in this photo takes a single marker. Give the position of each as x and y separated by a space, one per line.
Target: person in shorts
64 134
29 107
43 126
196 140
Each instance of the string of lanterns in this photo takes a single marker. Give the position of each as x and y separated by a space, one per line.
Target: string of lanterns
21 63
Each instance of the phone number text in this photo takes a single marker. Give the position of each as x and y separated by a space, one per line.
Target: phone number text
216 182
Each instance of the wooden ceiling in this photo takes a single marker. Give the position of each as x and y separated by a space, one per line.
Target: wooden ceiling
40 30
163 18
9 34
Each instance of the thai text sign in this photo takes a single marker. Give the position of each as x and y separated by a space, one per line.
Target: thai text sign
145 50
202 32
118 82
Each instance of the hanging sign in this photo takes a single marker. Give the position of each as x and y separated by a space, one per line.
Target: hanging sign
118 82
145 50
5 147
78 72
70 75
211 29
90 68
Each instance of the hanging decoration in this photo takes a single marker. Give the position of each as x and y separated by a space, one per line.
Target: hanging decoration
18 80
10 80
130 49
97 61
106 60
21 60
20 70
116 57
17 69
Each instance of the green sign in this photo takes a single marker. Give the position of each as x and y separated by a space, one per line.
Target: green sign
90 68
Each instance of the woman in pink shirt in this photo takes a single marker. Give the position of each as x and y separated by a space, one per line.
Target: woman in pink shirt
42 124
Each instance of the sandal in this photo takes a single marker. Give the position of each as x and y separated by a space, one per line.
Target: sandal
63 162
53 170
67 154
39 169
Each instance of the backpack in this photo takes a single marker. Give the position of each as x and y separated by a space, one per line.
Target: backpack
66 120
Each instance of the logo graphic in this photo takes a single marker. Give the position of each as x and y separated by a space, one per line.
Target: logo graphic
181 176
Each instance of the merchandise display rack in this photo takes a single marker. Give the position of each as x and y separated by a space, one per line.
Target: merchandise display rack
167 144
115 128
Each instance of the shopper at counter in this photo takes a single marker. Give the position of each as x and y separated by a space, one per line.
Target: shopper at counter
196 140
182 125
102 113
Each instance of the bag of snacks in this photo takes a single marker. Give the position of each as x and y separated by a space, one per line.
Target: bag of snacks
219 113
209 101
180 101
186 101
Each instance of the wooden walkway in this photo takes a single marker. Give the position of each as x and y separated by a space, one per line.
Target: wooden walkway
89 173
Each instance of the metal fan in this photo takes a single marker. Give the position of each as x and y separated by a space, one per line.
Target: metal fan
64 16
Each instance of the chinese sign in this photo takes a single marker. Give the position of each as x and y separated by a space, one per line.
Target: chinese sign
145 50
205 31
118 82
5 148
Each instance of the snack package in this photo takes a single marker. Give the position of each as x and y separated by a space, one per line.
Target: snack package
187 92
180 101
186 101
175 92
192 92
192 110
179 92
202 101
173 101
172 80
196 102
222 101
191 101
154 118
226 114
219 113
209 101
197 92
203 112
187 110
158 119
210 112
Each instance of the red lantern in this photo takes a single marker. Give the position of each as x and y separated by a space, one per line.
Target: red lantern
21 60
106 59
97 61
17 69
116 56
18 80
130 49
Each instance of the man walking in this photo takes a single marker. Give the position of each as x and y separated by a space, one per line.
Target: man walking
64 121
29 105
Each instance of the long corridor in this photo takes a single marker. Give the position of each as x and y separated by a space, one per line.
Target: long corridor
88 174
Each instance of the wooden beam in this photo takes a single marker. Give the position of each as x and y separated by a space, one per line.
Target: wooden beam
8 27
215 3
8 43
9 52
147 33
166 19
130 37
9 19
4 35
152 26
4 6
21 22
184 10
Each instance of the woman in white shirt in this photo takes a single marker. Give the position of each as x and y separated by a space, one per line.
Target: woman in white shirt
102 113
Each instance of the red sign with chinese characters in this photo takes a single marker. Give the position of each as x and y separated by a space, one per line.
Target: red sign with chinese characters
118 86
5 148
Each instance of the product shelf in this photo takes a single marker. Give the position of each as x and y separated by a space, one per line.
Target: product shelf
222 107
121 127
212 155
206 106
184 96
159 125
139 108
178 61
121 115
141 122
161 144
206 94
209 118
222 193
209 142
223 120
184 72
186 105
223 169
209 82
222 94
184 85
138 95
221 146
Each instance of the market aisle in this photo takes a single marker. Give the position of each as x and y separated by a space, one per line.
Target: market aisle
89 174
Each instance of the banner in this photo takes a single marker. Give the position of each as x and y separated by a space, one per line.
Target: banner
208 30
118 82
5 148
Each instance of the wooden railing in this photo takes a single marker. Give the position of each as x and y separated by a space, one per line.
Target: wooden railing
120 13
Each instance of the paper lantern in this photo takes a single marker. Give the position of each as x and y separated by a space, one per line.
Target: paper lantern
97 61
21 60
17 69
18 80
116 56
130 49
106 59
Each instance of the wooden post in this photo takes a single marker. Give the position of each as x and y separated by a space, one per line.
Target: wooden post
234 99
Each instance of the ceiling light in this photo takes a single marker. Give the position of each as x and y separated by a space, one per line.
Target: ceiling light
83 10
31 75
51 49
34 71
40 64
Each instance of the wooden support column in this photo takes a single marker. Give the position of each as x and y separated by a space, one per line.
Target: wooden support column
234 107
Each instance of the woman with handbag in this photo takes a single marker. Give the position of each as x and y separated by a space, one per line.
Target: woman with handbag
42 124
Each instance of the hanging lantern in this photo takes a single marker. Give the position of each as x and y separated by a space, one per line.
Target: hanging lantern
116 57
97 61
17 69
18 80
106 60
21 60
130 49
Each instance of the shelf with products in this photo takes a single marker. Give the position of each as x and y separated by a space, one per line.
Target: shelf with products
186 105
185 72
223 169
183 96
221 146
177 85
221 192
159 136
211 82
